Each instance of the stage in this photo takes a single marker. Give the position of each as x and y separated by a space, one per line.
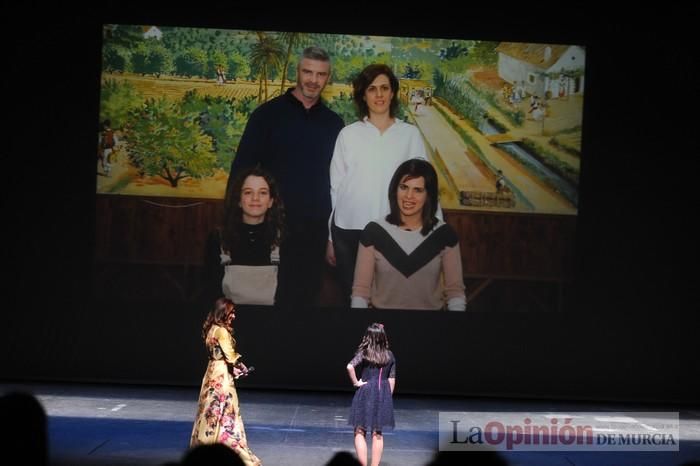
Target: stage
93 424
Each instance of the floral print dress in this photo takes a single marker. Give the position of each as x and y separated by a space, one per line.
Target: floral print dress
218 415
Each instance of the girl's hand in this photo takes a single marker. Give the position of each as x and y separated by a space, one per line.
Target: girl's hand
239 369
330 253
360 383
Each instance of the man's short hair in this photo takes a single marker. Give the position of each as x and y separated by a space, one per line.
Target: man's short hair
315 53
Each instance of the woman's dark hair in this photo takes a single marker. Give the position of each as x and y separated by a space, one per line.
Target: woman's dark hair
410 169
233 214
375 345
363 80
223 307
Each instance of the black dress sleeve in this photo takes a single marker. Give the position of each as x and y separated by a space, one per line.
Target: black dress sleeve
357 360
392 367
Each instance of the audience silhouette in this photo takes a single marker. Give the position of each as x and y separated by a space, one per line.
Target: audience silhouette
24 433
214 454
467 458
343 458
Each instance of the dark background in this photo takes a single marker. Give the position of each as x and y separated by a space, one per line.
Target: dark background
624 332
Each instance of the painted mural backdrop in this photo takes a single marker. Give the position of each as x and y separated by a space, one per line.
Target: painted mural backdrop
502 121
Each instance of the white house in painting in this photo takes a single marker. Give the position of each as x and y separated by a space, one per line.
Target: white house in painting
543 69
152 32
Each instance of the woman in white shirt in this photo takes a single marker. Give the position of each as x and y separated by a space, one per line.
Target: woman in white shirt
366 155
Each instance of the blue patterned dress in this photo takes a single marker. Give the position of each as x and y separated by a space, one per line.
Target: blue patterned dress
372 406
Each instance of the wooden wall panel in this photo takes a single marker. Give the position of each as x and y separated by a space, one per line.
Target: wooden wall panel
170 231
154 230
518 246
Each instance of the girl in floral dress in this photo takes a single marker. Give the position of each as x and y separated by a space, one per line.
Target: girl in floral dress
218 415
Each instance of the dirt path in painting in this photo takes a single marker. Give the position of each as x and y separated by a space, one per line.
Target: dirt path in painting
441 137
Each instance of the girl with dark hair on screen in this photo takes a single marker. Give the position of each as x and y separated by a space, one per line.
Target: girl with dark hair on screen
243 254
410 259
218 415
372 406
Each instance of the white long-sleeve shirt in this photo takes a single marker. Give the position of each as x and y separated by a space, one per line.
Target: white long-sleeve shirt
364 160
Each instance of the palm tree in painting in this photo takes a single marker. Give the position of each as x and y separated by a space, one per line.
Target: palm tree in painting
266 54
293 39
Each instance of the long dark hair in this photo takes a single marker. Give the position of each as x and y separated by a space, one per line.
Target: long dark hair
375 345
223 307
363 80
415 168
233 214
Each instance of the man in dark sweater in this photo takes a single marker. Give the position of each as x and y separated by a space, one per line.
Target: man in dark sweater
293 136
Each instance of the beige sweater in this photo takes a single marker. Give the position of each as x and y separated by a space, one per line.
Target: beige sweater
400 269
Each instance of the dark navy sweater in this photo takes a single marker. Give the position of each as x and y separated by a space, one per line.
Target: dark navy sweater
296 146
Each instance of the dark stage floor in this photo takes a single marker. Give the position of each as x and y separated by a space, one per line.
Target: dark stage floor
149 425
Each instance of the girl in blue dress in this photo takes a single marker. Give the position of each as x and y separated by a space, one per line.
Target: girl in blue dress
372 406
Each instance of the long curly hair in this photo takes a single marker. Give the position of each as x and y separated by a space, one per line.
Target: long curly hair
233 213
374 346
223 308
